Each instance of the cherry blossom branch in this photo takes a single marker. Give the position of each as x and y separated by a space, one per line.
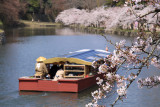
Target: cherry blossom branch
139 71
119 66
152 54
149 82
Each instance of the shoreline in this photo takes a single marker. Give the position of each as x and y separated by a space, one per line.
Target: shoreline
36 24
120 32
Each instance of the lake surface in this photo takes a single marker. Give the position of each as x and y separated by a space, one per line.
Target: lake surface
23 46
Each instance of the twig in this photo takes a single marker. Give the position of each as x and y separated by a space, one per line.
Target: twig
153 11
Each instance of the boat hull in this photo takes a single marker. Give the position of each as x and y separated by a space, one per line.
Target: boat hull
62 85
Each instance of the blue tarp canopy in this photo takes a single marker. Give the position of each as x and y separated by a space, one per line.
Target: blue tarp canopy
85 56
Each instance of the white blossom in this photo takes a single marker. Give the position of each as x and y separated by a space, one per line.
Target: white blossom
121 83
131 76
98 78
109 76
100 82
117 76
121 43
94 64
103 68
155 62
122 91
158 47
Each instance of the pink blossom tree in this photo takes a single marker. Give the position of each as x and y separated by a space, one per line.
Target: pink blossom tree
108 18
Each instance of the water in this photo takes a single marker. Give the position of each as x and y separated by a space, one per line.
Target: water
23 46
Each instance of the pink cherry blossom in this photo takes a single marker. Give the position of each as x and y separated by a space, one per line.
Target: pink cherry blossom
122 91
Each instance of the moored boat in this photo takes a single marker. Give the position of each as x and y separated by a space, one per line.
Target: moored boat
78 73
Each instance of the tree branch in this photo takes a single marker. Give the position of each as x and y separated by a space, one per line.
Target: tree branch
153 11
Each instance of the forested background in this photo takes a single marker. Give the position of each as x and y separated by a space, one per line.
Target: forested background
44 10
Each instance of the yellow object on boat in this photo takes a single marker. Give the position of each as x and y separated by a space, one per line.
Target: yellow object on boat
41 59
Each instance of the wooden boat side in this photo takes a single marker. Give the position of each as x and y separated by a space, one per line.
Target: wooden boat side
63 85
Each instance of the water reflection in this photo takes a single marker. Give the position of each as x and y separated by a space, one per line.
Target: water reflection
59 99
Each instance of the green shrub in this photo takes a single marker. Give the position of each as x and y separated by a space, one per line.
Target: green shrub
28 16
114 3
120 3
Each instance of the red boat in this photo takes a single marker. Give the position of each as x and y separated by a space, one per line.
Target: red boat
78 74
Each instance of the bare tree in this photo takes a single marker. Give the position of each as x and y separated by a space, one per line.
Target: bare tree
9 10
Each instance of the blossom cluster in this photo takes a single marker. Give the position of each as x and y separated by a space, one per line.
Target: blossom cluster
106 86
131 54
97 95
143 44
110 78
94 64
122 54
149 81
155 62
122 91
104 68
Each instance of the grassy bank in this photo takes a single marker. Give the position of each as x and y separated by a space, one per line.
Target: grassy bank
36 24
